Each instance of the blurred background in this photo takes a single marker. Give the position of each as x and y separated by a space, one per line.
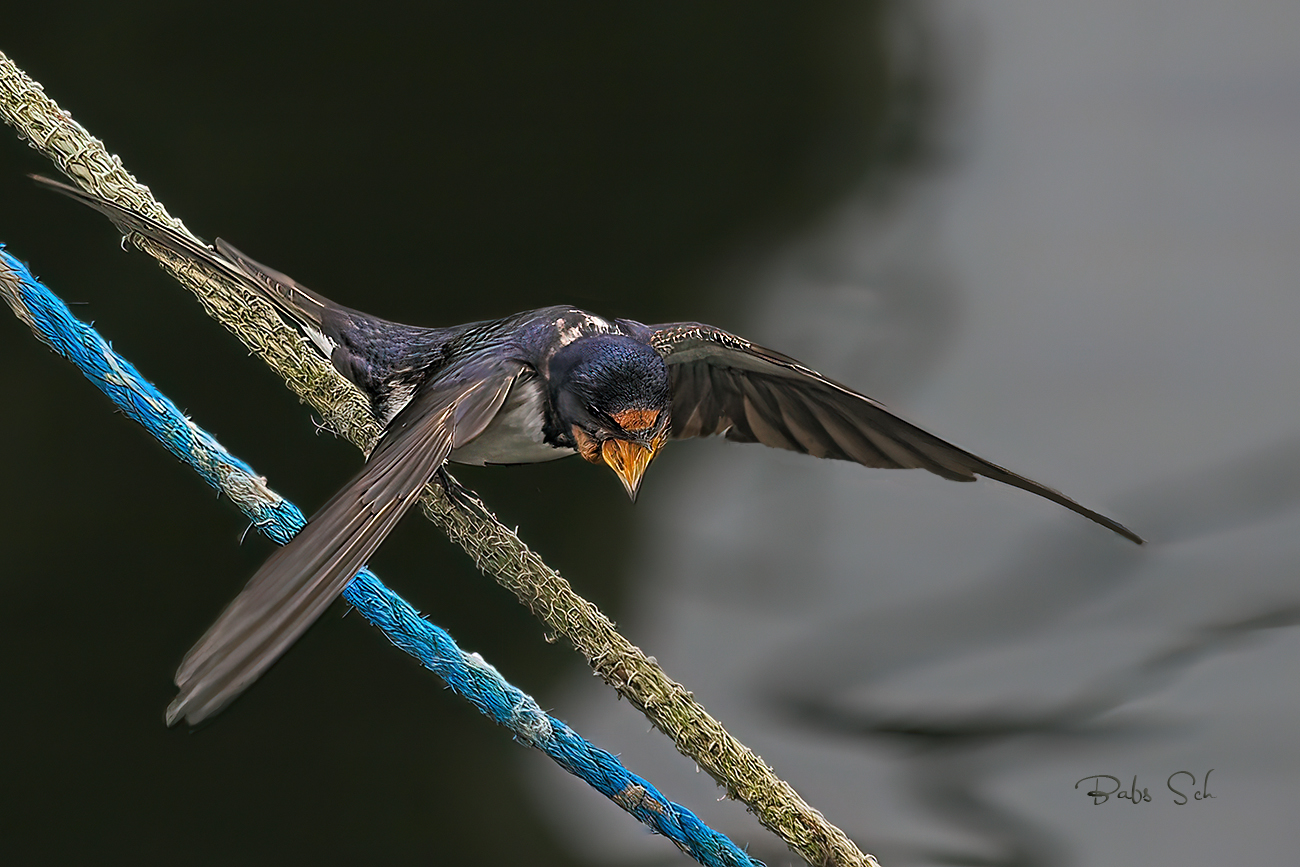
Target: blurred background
1061 235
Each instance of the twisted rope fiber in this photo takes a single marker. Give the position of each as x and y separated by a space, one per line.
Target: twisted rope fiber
494 548
278 519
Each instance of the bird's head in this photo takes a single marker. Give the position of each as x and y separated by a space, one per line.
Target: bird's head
612 399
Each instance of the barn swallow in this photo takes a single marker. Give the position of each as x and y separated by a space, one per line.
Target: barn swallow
527 388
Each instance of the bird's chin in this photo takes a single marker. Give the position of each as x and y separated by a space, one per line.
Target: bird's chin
628 460
587 446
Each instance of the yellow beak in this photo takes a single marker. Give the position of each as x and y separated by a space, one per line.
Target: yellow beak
628 461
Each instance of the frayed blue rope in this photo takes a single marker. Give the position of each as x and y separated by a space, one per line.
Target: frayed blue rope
278 519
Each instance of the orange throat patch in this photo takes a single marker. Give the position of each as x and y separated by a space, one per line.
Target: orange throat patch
587 447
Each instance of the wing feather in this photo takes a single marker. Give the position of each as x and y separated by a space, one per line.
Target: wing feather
297 583
724 383
304 306
761 408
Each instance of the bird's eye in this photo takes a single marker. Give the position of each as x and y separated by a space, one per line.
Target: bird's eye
602 416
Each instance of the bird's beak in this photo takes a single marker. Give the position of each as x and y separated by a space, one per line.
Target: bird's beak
628 460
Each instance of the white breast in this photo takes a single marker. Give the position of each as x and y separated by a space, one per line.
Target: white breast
515 435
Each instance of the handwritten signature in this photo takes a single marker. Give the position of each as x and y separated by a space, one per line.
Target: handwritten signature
1135 795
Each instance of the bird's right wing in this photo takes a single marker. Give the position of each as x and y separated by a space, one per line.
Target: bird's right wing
298 582
304 306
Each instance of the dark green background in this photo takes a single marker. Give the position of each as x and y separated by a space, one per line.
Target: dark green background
458 163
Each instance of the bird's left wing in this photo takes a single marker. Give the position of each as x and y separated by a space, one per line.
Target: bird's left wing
724 384
299 581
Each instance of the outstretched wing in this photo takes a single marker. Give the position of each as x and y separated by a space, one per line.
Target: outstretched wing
307 308
724 384
298 582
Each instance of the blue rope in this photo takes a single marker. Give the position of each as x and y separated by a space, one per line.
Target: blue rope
466 673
